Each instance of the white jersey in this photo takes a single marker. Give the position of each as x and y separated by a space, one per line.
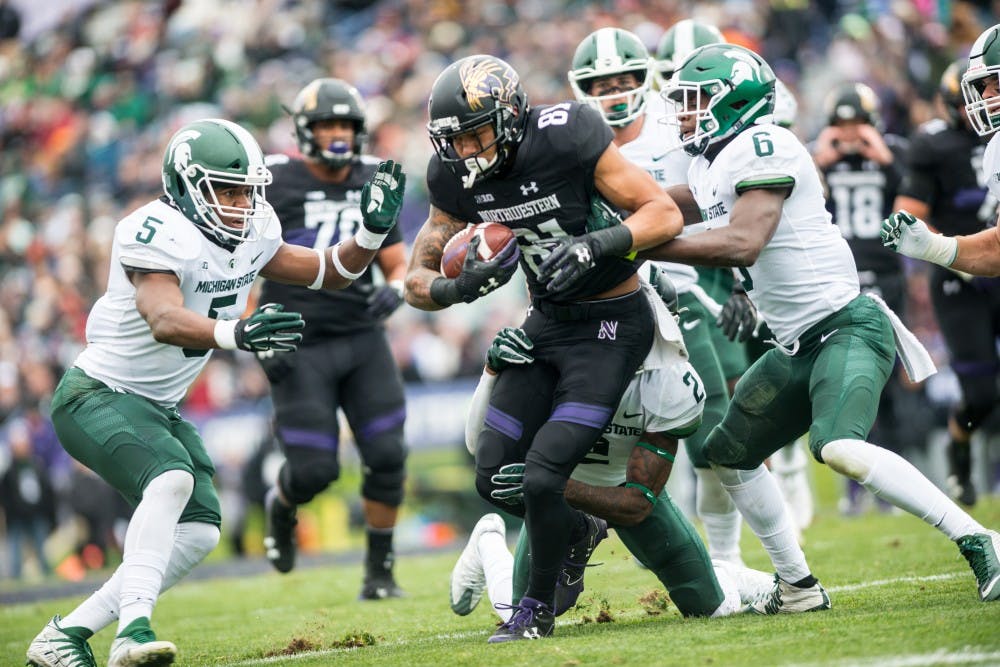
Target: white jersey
806 271
121 351
656 151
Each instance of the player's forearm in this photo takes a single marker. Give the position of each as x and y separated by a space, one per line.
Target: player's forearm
979 254
615 504
345 262
178 326
653 223
681 194
716 247
417 288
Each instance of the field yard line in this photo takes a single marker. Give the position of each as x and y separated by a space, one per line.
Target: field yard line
917 660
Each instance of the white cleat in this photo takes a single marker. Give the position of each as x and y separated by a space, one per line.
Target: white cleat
53 647
751 584
467 577
126 652
783 598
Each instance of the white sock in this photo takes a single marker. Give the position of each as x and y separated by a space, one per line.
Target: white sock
192 542
498 566
894 479
149 542
720 517
759 499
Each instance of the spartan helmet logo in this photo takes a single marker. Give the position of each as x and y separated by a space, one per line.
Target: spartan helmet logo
180 150
488 78
745 68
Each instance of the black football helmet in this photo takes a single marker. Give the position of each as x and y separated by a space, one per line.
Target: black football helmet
950 90
853 102
473 92
327 99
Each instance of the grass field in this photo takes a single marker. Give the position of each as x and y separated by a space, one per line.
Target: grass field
902 596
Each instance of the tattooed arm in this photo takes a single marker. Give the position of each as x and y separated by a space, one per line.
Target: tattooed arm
425 258
627 506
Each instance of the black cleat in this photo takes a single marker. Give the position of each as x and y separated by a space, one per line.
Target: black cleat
279 539
960 485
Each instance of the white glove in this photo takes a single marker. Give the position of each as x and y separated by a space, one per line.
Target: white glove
909 235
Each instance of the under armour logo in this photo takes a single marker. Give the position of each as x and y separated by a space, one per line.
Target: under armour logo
950 287
489 286
608 331
529 188
583 255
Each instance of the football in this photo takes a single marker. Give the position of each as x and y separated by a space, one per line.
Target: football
493 237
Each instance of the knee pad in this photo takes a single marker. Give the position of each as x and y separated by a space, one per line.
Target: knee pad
722 450
307 472
173 487
384 470
852 458
970 414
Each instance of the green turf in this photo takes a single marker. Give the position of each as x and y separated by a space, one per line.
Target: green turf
929 615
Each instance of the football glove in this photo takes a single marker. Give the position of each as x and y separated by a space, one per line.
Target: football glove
510 346
664 286
510 479
382 197
478 278
908 235
573 256
602 214
269 329
738 319
384 301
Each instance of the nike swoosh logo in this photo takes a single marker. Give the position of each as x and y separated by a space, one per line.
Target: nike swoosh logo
822 339
250 327
257 257
657 158
691 325
628 416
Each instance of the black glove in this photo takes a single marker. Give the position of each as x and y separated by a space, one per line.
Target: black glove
478 278
510 346
269 328
573 256
738 318
384 301
664 286
382 197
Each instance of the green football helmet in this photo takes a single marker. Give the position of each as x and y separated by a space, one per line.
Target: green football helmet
211 154
727 88
605 53
678 43
984 62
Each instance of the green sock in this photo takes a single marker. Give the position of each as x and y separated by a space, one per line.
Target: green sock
139 630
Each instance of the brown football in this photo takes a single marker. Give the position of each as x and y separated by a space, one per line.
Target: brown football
493 237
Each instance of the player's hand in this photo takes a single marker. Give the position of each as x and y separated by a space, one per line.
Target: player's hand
664 286
479 278
269 329
382 197
873 145
511 346
738 318
384 301
510 480
571 257
909 235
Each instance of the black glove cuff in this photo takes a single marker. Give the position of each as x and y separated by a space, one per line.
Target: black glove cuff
445 292
613 241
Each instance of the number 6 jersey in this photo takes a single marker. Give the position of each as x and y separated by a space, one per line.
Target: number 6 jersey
121 351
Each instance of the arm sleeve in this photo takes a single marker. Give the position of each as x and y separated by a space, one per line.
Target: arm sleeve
476 416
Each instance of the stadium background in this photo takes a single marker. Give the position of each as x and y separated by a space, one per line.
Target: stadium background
90 92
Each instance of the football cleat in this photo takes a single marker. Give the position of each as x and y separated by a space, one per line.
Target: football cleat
467 577
959 481
531 620
751 584
981 550
137 646
279 539
784 598
380 587
55 646
569 584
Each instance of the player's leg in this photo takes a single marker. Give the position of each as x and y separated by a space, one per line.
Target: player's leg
484 564
850 369
305 398
714 506
373 401
770 407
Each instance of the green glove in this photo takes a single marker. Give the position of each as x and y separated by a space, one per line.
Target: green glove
511 478
269 329
510 346
382 197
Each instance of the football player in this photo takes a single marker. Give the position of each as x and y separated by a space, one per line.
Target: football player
756 198
181 272
536 170
621 480
952 183
863 167
344 359
612 73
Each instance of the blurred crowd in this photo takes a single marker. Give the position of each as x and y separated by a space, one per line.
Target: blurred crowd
90 92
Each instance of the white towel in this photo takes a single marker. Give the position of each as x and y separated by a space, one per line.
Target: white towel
668 343
915 357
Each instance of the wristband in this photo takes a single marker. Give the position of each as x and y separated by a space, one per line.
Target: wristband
225 334
614 241
341 269
444 292
941 250
368 239
650 496
321 274
656 450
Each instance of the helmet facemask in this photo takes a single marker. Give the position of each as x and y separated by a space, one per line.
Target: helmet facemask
329 99
203 188
983 112
609 54
619 106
